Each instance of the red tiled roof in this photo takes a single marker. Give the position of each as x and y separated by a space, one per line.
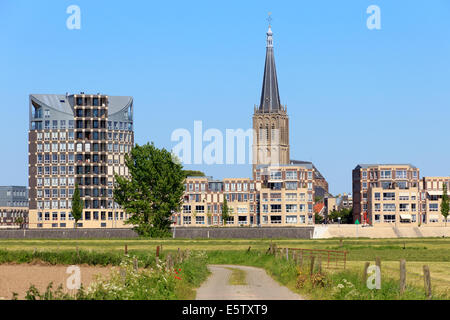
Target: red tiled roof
318 207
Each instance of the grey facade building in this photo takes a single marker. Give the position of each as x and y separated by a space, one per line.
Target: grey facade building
13 205
77 139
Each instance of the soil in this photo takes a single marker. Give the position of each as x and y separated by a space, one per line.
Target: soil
19 277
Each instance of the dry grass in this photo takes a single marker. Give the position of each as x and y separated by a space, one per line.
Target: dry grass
440 273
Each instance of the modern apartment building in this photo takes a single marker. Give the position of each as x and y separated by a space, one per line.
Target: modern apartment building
204 197
77 139
431 198
13 205
386 194
281 195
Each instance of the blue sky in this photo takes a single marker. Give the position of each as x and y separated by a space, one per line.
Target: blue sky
353 95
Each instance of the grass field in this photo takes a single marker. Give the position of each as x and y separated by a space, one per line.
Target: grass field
434 252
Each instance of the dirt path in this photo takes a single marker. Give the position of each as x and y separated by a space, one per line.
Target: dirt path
18 277
259 286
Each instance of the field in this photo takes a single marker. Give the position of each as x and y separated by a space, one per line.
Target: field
434 252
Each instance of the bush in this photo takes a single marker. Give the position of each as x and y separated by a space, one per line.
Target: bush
126 283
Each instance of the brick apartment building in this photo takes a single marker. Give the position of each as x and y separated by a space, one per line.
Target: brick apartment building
386 194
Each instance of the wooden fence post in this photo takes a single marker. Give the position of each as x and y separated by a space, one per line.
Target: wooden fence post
178 256
378 263
169 261
135 264
157 254
366 266
300 259
126 249
248 250
402 276
311 268
287 254
427 281
319 264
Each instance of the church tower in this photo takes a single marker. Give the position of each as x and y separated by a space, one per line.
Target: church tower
270 120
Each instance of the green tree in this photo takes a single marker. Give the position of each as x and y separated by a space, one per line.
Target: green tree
19 221
193 173
346 215
77 205
444 203
225 211
153 190
318 199
318 218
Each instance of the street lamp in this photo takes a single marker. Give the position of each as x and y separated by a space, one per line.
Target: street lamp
339 222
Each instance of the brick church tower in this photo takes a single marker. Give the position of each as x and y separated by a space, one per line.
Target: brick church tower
270 119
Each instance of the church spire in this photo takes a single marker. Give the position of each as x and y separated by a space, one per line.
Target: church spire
270 97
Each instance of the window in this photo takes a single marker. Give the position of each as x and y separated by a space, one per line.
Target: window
275 219
275 208
291 219
291 175
388 207
291 185
291 197
434 207
186 219
402 184
291 208
385 174
400 174
275 175
389 196
389 218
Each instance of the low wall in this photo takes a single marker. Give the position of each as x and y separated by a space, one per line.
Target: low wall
67 234
243 232
353 231
178 232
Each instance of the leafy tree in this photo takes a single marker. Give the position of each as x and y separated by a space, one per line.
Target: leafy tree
318 218
346 215
19 221
225 211
193 173
318 199
445 203
153 190
77 205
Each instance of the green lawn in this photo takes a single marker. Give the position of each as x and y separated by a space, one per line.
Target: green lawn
423 249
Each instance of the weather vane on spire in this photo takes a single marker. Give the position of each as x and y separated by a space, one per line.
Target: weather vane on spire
269 18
